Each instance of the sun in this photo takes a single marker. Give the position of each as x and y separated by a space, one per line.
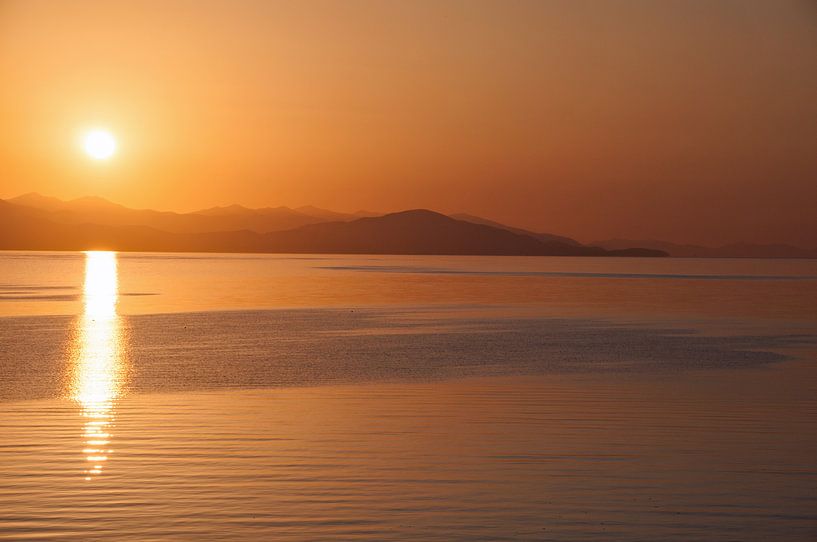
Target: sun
99 144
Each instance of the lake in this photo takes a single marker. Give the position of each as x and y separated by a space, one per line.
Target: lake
326 397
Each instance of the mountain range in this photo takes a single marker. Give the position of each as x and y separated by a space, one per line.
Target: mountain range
36 222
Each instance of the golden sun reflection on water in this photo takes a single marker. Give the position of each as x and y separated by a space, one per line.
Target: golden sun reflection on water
97 359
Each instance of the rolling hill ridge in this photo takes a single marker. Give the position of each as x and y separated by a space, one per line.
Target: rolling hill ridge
34 222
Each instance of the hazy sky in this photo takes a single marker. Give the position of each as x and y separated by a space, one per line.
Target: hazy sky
684 120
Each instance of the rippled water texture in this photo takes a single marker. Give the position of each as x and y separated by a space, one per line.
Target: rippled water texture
195 397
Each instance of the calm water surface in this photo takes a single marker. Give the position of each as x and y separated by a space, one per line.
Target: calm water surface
196 397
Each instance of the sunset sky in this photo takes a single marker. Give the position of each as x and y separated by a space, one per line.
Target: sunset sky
687 120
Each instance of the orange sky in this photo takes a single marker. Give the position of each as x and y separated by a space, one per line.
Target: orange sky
687 120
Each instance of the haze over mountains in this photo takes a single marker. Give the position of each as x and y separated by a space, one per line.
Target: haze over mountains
36 222
93 210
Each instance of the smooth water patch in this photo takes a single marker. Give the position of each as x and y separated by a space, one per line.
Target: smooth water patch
693 456
50 284
559 274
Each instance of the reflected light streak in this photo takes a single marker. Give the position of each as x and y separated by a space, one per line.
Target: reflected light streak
97 366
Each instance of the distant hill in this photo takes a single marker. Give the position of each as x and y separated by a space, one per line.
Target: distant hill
35 221
26 229
226 210
93 210
409 232
38 201
325 214
734 250
546 237
418 231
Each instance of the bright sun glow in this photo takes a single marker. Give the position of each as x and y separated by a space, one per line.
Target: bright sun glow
99 144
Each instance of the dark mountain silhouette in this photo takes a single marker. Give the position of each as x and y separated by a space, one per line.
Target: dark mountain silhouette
421 231
408 232
734 250
416 232
546 237
34 221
